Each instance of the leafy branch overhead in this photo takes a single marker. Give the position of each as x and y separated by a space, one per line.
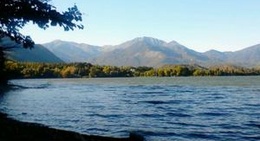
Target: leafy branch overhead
15 14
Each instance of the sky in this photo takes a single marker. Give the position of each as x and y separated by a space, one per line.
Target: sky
201 25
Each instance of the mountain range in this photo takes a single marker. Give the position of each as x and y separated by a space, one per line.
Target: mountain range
37 54
146 51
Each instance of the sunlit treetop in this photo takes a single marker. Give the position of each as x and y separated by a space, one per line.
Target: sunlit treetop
15 14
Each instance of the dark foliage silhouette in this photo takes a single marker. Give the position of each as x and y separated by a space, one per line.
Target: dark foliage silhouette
15 14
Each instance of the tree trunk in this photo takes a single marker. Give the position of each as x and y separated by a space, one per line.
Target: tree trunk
3 77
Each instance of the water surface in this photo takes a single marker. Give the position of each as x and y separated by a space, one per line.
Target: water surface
178 108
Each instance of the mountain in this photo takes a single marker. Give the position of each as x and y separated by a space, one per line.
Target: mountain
216 55
147 51
247 57
142 51
37 54
137 52
73 52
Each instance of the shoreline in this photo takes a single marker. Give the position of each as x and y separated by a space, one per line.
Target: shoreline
11 129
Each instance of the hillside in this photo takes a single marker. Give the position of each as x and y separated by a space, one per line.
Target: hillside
147 51
73 52
36 54
247 57
142 51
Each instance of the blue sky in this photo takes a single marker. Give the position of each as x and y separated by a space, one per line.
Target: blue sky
224 25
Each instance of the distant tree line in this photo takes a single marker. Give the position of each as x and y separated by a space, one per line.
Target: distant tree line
87 70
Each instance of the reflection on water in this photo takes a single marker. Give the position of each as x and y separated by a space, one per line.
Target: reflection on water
182 108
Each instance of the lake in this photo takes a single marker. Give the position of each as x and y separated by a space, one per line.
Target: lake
160 109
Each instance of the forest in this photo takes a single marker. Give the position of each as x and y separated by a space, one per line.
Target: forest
16 70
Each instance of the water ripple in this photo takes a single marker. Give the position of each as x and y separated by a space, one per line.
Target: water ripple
207 108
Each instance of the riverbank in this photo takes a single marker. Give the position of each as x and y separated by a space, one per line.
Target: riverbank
13 130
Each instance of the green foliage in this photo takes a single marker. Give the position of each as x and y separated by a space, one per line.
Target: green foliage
15 14
85 70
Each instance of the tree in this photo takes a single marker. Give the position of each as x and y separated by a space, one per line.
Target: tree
68 72
15 14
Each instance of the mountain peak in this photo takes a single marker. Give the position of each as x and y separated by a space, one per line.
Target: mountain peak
58 41
173 43
149 40
212 51
148 51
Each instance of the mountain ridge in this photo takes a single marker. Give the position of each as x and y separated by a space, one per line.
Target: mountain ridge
149 51
39 53
72 51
